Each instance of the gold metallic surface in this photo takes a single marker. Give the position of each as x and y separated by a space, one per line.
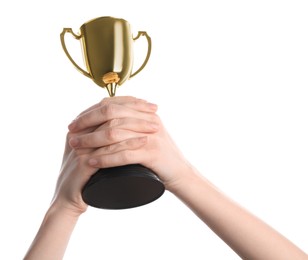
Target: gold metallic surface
111 77
107 45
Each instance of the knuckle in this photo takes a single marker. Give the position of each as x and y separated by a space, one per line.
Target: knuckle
110 148
102 110
84 141
108 110
114 122
105 101
111 134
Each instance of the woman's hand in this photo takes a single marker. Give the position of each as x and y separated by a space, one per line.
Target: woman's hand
128 131
109 127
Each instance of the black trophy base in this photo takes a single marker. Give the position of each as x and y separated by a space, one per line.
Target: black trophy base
122 187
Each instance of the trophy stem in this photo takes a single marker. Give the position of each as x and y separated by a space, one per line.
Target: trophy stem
111 88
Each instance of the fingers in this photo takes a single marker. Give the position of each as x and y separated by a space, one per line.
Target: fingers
113 131
110 108
117 126
115 100
126 152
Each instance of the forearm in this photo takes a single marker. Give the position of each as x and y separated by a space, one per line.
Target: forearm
53 236
247 235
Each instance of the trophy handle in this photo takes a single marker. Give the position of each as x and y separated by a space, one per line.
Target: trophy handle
77 37
142 33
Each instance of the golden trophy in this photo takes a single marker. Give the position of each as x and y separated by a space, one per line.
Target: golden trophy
107 45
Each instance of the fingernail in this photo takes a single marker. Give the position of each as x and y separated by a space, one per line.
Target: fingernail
152 105
72 125
74 142
93 162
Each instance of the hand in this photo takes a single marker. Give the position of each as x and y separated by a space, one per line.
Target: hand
74 173
96 127
128 131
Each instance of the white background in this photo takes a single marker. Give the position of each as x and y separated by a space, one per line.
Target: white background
230 79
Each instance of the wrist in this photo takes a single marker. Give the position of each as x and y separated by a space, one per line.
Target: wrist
68 211
187 174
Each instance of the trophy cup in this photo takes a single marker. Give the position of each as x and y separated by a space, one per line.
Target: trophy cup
107 45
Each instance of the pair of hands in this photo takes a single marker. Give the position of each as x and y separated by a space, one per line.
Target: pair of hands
116 131
125 130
